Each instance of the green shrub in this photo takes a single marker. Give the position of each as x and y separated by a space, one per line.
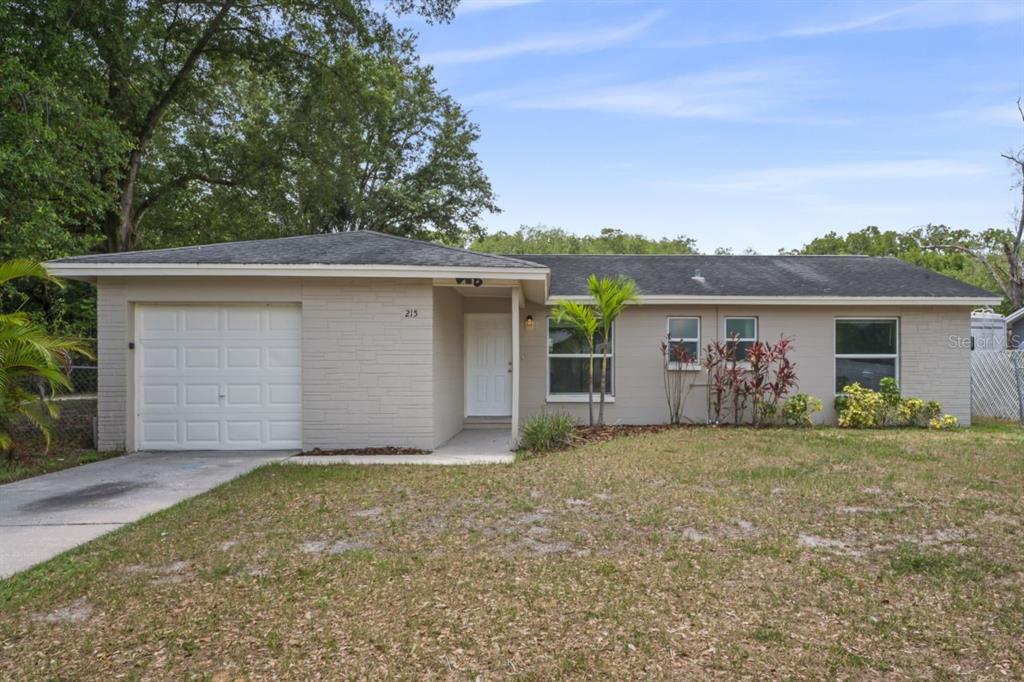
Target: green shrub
946 421
863 408
546 431
797 409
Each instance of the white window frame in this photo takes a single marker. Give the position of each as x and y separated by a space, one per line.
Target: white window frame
861 356
725 332
690 366
575 397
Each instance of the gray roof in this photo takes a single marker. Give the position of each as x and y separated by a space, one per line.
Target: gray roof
363 247
838 276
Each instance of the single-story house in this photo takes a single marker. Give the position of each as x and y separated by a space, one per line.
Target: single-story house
361 339
1015 330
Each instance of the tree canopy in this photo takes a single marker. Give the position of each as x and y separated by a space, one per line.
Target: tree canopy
192 121
543 239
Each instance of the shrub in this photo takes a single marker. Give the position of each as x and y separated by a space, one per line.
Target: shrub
797 409
946 421
546 431
862 408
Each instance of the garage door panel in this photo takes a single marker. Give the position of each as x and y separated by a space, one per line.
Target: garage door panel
200 358
159 395
243 395
243 358
284 394
219 377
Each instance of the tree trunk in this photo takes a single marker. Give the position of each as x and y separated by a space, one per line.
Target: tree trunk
604 378
121 222
590 387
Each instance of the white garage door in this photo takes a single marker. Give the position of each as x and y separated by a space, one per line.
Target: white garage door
218 377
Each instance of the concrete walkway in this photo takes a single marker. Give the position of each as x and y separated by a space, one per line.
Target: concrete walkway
43 516
470 446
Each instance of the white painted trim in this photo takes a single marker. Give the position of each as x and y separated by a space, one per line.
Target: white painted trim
465 364
516 297
90 270
580 397
884 356
797 300
1013 317
677 366
575 397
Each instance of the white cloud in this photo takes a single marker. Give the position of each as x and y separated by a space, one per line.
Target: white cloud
552 43
471 6
791 178
756 93
930 14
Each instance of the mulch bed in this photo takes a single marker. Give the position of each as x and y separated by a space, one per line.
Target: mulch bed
317 452
602 434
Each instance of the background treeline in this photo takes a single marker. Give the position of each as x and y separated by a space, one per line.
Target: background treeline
133 124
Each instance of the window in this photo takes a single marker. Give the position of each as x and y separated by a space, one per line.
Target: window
567 362
741 334
684 337
866 352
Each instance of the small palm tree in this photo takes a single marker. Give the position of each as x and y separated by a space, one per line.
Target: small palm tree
611 296
28 352
582 319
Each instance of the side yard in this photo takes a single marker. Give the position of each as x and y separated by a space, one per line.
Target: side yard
698 551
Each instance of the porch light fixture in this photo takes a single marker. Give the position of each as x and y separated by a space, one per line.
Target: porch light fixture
529 321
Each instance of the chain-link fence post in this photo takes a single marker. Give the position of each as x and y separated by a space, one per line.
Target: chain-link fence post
1018 365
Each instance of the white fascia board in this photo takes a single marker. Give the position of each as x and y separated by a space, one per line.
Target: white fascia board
1013 317
799 300
89 271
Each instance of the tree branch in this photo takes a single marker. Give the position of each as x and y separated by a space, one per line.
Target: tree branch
156 111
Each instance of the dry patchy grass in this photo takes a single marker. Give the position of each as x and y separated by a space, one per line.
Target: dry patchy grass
692 552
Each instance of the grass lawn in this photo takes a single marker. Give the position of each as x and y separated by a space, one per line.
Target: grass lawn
694 552
41 462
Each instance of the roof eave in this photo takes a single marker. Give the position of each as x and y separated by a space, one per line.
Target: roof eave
90 271
800 300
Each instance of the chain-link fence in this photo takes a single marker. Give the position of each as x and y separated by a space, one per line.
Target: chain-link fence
75 426
997 384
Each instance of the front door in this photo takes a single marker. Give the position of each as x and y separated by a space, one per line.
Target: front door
488 365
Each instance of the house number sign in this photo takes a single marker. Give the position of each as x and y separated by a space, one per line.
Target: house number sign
412 312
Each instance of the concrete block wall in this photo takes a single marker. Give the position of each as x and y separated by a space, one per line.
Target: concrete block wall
932 367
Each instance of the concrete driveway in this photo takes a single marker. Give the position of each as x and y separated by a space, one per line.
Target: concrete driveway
43 516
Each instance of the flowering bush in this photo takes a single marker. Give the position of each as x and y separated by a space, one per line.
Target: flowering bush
863 408
797 409
946 421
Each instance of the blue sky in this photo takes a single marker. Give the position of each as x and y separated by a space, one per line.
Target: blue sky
745 125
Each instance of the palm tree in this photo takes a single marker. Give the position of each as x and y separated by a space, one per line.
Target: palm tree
582 319
27 353
611 296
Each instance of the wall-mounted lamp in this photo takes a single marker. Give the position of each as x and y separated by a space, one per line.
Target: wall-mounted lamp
529 321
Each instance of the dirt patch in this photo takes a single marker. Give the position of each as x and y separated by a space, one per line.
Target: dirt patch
77 611
371 513
332 546
172 568
602 434
317 452
828 544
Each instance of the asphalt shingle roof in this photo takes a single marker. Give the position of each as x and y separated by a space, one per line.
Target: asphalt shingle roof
839 276
363 247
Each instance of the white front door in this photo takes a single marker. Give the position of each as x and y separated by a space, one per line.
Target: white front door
218 377
488 365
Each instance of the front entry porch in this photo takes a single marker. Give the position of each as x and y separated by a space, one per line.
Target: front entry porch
469 446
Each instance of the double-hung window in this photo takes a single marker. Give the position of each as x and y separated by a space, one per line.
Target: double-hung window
867 351
740 334
684 342
568 358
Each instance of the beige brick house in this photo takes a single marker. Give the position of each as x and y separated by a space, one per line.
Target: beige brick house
363 339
